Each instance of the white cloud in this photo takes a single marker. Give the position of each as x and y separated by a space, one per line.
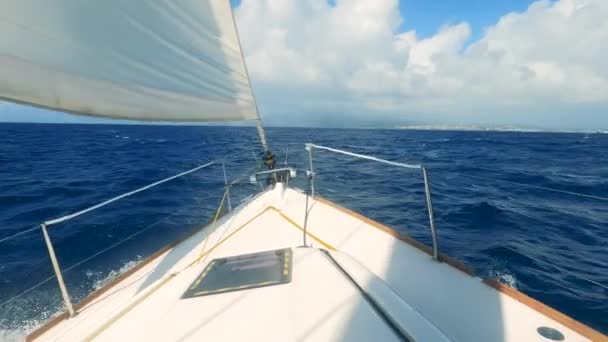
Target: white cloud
307 56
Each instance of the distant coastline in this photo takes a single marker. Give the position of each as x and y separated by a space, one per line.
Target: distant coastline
455 128
472 128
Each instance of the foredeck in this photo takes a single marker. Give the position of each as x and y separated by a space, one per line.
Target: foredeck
328 297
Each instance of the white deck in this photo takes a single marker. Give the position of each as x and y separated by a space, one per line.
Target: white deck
428 301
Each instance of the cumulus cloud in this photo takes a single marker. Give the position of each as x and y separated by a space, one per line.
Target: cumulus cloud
349 60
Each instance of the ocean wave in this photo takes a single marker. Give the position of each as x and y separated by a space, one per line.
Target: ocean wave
18 334
100 279
27 313
481 215
505 277
47 177
22 310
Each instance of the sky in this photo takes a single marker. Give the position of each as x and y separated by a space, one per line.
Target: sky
389 63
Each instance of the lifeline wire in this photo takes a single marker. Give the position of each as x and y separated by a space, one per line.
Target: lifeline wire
90 257
599 198
558 268
26 291
20 233
409 166
71 216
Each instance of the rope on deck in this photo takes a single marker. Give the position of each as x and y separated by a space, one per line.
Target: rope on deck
217 215
162 282
219 209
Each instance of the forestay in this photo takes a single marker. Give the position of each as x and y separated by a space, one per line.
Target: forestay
162 60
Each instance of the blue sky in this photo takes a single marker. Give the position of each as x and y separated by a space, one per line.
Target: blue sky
427 16
534 70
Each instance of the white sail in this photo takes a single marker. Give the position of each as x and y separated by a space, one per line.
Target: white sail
177 60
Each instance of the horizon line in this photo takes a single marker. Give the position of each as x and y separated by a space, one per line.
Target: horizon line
441 128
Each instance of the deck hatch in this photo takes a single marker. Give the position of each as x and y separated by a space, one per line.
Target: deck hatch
242 272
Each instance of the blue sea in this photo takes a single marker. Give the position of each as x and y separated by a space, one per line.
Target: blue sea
536 240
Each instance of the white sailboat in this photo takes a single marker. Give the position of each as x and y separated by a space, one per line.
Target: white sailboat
285 265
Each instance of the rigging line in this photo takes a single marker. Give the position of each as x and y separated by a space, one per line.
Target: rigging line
26 291
217 244
600 198
164 281
558 268
20 233
217 215
93 256
516 171
37 227
141 231
76 214
224 158
258 122
437 193
362 156
105 249
242 176
219 209
117 243
89 258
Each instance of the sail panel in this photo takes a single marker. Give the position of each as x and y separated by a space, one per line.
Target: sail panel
177 60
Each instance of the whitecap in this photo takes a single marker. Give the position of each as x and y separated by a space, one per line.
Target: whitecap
10 333
100 280
16 335
505 277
